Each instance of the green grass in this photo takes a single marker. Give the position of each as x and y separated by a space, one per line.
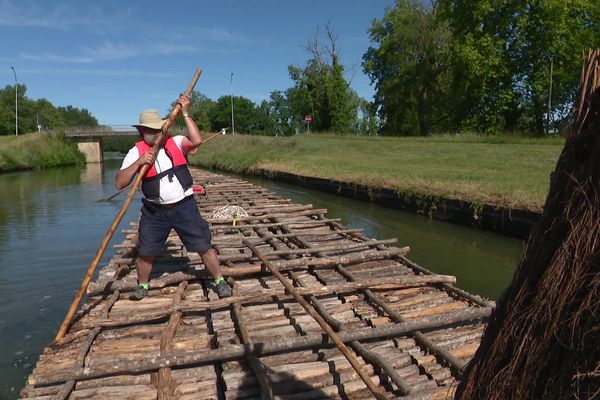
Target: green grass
498 170
33 151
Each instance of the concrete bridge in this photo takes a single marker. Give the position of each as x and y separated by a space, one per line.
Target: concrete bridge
89 139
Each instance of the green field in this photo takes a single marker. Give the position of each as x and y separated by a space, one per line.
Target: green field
33 151
497 170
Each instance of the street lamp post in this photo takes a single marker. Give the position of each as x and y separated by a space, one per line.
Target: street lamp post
16 104
550 96
231 98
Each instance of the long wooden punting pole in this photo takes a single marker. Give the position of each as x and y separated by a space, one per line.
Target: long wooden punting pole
92 267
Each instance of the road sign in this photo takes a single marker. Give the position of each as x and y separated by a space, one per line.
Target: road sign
308 119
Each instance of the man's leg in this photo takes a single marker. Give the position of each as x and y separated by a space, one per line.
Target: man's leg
153 232
144 268
195 234
211 260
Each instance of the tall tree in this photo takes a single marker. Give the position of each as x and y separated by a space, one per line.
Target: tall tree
320 88
282 114
367 118
509 56
40 111
47 116
307 96
73 116
542 338
408 68
265 121
7 119
200 108
245 114
341 106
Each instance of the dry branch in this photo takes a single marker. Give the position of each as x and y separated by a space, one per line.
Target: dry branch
543 337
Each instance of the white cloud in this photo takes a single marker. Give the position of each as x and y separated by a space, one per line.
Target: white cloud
99 72
60 17
109 51
98 27
223 35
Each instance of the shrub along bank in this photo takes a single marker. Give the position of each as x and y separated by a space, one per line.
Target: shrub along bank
35 151
431 175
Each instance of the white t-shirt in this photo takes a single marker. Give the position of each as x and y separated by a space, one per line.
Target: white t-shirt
171 191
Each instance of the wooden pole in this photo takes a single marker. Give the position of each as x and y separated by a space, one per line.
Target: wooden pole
118 192
92 267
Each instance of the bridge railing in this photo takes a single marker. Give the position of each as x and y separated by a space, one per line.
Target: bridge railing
107 130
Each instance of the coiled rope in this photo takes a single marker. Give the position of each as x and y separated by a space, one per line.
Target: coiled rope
229 212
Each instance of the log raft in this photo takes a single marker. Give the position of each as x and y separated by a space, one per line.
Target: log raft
318 311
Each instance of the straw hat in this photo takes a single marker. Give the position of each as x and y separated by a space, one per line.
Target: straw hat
150 119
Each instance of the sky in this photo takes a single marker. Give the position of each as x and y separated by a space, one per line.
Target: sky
116 58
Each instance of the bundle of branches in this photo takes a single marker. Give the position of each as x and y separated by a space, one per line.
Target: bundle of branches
543 339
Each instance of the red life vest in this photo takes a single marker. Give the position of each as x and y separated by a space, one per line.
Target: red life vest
173 152
151 181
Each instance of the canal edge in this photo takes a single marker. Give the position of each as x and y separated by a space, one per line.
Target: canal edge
512 222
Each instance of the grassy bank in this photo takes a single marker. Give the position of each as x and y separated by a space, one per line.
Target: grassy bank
505 171
33 151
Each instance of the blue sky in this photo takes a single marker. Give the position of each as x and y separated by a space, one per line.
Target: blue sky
116 58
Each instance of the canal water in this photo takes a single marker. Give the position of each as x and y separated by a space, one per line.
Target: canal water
51 224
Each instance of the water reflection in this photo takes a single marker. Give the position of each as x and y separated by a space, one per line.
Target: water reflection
92 174
50 228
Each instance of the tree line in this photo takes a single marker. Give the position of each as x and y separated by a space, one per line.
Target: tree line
38 114
319 90
497 66
486 65
500 66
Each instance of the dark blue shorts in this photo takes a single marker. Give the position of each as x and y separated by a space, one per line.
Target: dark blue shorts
184 218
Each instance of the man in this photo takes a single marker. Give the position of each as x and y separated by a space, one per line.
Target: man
168 197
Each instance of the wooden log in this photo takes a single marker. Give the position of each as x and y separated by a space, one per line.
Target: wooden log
68 386
336 391
257 366
356 345
141 392
457 364
119 380
255 210
116 366
161 313
239 271
329 232
333 248
338 247
166 385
